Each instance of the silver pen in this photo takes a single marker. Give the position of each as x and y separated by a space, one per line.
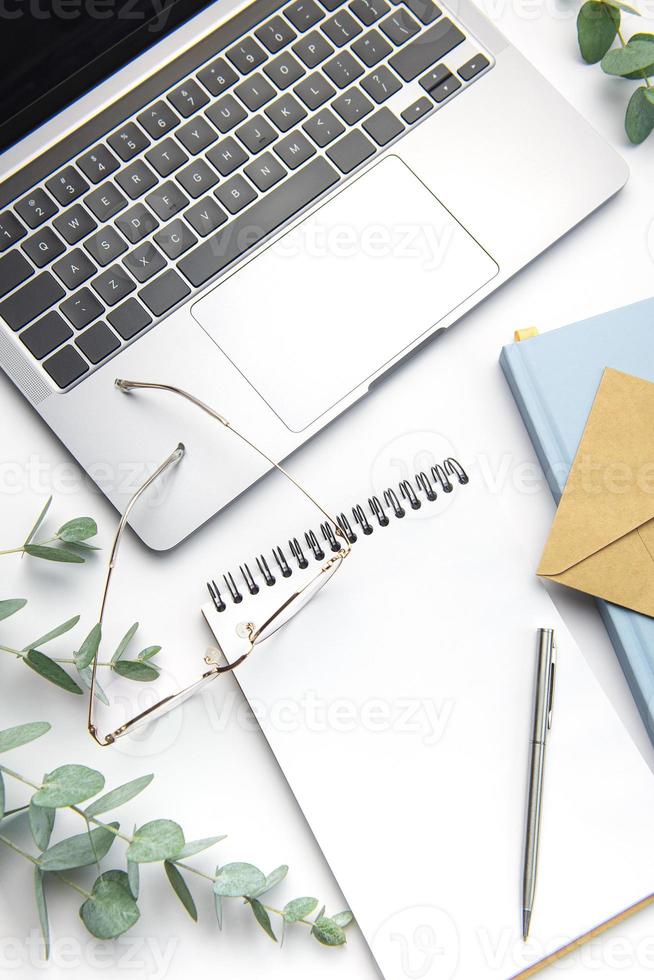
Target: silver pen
542 722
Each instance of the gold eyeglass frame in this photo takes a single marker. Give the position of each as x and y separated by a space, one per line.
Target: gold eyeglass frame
253 632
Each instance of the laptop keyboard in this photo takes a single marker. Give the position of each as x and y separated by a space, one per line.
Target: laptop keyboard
125 232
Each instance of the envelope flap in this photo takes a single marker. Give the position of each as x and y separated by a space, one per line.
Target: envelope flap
610 489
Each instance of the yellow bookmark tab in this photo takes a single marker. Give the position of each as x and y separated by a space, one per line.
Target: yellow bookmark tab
525 333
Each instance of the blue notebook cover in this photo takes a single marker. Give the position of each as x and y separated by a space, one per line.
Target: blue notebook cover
554 378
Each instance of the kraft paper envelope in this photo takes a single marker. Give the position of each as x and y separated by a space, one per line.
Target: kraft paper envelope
602 538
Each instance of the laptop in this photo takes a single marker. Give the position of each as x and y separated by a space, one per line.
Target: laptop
271 204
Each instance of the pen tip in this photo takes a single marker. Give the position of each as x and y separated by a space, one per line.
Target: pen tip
526 919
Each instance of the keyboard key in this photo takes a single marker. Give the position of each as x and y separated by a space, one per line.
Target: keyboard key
197 135
129 319
98 342
75 224
331 5
473 67
46 335
445 89
434 77
341 28
265 171
227 156
218 76
98 163
352 106
175 239
256 134
255 91
128 141
286 112
324 127
36 208
104 202
246 55
236 194
400 26
313 49
280 204
11 230
74 269
425 10
166 157
28 302
205 216
14 269
167 200
372 48
113 285
43 247
381 83
136 223
158 120
427 49
303 14
343 69
226 113
295 149
276 34
315 90
197 178
352 150
66 366
163 293
384 126
67 185
284 70
82 308
144 262
105 246
188 98
417 110
136 179
369 11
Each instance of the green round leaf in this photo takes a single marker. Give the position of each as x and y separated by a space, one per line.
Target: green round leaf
328 932
597 26
79 851
10 606
156 841
238 880
181 889
649 69
53 554
67 785
11 738
272 879
116 797
136 670
639 120
78 529
343 919
299 908
636 56
110 911
262 917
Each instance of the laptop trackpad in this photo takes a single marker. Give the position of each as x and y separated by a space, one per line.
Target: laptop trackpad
344 292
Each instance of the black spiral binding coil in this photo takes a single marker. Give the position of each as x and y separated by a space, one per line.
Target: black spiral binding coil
395 504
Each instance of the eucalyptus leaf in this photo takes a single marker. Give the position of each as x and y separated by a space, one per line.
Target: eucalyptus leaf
42 910
89 648
51 670
85 675
133 876
116 797
639 120
238 880
328 932
262 917
156 841
619 5
79 851
10 606
41 820
649 69
110 911
299 908
343 919
181 889
272 879
124 643
68 785
79 529
136 670
597 27
195 846
38 522
632 58
53 554
52 634
148 653
218 908
11 738
115 874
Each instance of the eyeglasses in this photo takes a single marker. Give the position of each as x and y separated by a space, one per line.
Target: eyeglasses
251 634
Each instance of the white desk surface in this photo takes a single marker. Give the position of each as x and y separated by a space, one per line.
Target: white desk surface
214 772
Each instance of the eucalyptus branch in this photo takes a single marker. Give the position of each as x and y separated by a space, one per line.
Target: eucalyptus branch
63 545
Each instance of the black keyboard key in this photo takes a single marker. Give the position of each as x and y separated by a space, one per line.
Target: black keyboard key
331 5
343 69
384 126
400 27
205 216
43 247
315 90
196 135
130 318
425 10
14 269
256 134
265 171
352 106
218 76
427 49
166 157
67 185
372 48
227 156
105 246
32 299
75 224
144 262
369 11
276 34
113 284
98 342
284 70
324 127
105 201
82 308
236 193
280 204
246 55
36 208
434 77
350 151
98 163
381 83
66 366
197 178
303 14
11 230
417 110
473 67
341 28
46 335
445 89
175 239
163 293
74 269
158 120
136 179
226 113
188 97
128 141
255 91
313 49
167 200
286 112
295 149
136 223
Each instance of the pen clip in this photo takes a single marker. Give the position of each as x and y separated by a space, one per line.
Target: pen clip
552 684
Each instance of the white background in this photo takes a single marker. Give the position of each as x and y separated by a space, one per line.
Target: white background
214 771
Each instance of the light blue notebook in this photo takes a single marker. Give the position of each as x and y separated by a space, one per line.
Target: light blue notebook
554 378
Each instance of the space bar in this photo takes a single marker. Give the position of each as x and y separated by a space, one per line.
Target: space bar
269 213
